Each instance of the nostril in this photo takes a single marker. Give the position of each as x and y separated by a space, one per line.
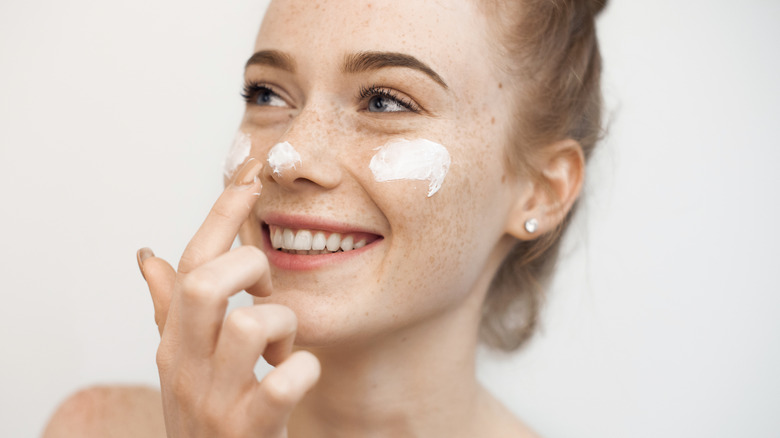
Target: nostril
304 181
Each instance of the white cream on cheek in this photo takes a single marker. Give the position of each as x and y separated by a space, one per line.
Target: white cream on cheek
239 151
283 156
419 159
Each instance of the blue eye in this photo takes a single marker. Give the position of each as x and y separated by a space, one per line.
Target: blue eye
381 104
382 100
262 95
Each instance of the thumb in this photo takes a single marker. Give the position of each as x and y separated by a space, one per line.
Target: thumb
160 277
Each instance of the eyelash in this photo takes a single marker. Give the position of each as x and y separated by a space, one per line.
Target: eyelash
252 89
376 91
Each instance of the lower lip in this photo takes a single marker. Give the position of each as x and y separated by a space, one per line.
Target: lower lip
298 262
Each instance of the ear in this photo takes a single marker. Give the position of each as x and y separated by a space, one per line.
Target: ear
548 198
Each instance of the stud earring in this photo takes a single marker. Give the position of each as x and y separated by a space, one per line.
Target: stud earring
531 225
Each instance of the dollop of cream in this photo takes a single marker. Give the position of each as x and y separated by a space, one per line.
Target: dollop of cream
419 159
238 153
283 156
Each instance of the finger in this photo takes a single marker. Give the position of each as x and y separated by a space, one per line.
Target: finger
218 231
246 334
203 296
160 278
284 387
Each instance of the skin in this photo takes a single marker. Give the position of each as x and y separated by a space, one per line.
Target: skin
382 344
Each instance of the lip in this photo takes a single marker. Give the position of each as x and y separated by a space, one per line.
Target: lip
296 262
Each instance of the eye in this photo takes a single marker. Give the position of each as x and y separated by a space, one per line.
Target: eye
381 104
381 100
262 95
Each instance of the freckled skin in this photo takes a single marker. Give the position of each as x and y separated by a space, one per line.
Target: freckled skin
438 253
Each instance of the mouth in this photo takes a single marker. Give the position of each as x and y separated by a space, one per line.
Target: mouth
304 243
316 242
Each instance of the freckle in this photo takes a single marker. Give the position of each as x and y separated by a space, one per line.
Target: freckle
492 120
503 178
500 85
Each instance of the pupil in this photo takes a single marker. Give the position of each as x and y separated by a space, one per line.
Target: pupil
265 97
379 103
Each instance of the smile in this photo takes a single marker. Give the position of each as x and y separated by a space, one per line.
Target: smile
316 242
301 243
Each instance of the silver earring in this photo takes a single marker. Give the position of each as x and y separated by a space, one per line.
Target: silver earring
531 225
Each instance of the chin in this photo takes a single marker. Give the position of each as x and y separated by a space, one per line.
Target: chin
323 320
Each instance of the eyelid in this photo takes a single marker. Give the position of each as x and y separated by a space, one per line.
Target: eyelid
366 93
251 88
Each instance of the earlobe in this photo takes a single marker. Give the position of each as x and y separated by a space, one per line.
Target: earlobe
545 202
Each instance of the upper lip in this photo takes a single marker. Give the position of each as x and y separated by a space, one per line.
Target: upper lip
306 222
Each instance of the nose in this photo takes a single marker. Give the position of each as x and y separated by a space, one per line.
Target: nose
306 154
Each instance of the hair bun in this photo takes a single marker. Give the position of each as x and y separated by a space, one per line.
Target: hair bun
596 6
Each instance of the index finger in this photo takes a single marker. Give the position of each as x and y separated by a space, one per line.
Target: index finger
216 234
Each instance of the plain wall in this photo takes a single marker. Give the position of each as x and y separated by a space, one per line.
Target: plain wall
115 118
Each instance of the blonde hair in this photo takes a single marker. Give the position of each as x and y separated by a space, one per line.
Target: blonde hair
550 47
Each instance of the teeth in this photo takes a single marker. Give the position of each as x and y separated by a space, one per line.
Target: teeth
319 242
277 240
334 242
308 242
302 241
346 244
289 239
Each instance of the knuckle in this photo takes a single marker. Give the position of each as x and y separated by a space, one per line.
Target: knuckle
198 287
253 251
278 391
163 358
222 212
287 315
183 383
255 254
241 322
194 256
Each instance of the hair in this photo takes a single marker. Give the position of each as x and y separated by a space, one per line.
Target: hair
550 48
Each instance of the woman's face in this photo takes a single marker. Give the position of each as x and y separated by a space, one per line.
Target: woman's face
337 80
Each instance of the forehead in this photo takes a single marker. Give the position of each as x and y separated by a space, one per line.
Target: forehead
448 35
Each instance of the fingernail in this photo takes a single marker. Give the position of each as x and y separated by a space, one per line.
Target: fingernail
140 256
246 176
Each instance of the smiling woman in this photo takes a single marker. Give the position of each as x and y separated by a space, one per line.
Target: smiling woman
400 180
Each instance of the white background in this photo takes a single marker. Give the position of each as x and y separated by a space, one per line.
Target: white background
115 117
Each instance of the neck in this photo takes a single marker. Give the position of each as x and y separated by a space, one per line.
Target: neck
419 381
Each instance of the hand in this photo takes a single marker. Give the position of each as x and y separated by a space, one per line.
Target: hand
206 366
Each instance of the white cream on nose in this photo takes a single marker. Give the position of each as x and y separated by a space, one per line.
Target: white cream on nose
418 159
283 156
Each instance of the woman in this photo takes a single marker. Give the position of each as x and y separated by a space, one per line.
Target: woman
410 168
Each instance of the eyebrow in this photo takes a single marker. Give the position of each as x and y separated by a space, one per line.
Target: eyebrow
366 61
272 58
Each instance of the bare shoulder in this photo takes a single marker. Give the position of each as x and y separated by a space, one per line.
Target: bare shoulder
109 411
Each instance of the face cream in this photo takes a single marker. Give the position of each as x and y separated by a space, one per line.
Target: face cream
283 156
239 151
412 160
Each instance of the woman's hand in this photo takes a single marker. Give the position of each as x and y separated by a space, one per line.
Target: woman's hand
206 366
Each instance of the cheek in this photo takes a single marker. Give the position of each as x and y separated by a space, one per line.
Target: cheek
415 160
440 237
238 153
